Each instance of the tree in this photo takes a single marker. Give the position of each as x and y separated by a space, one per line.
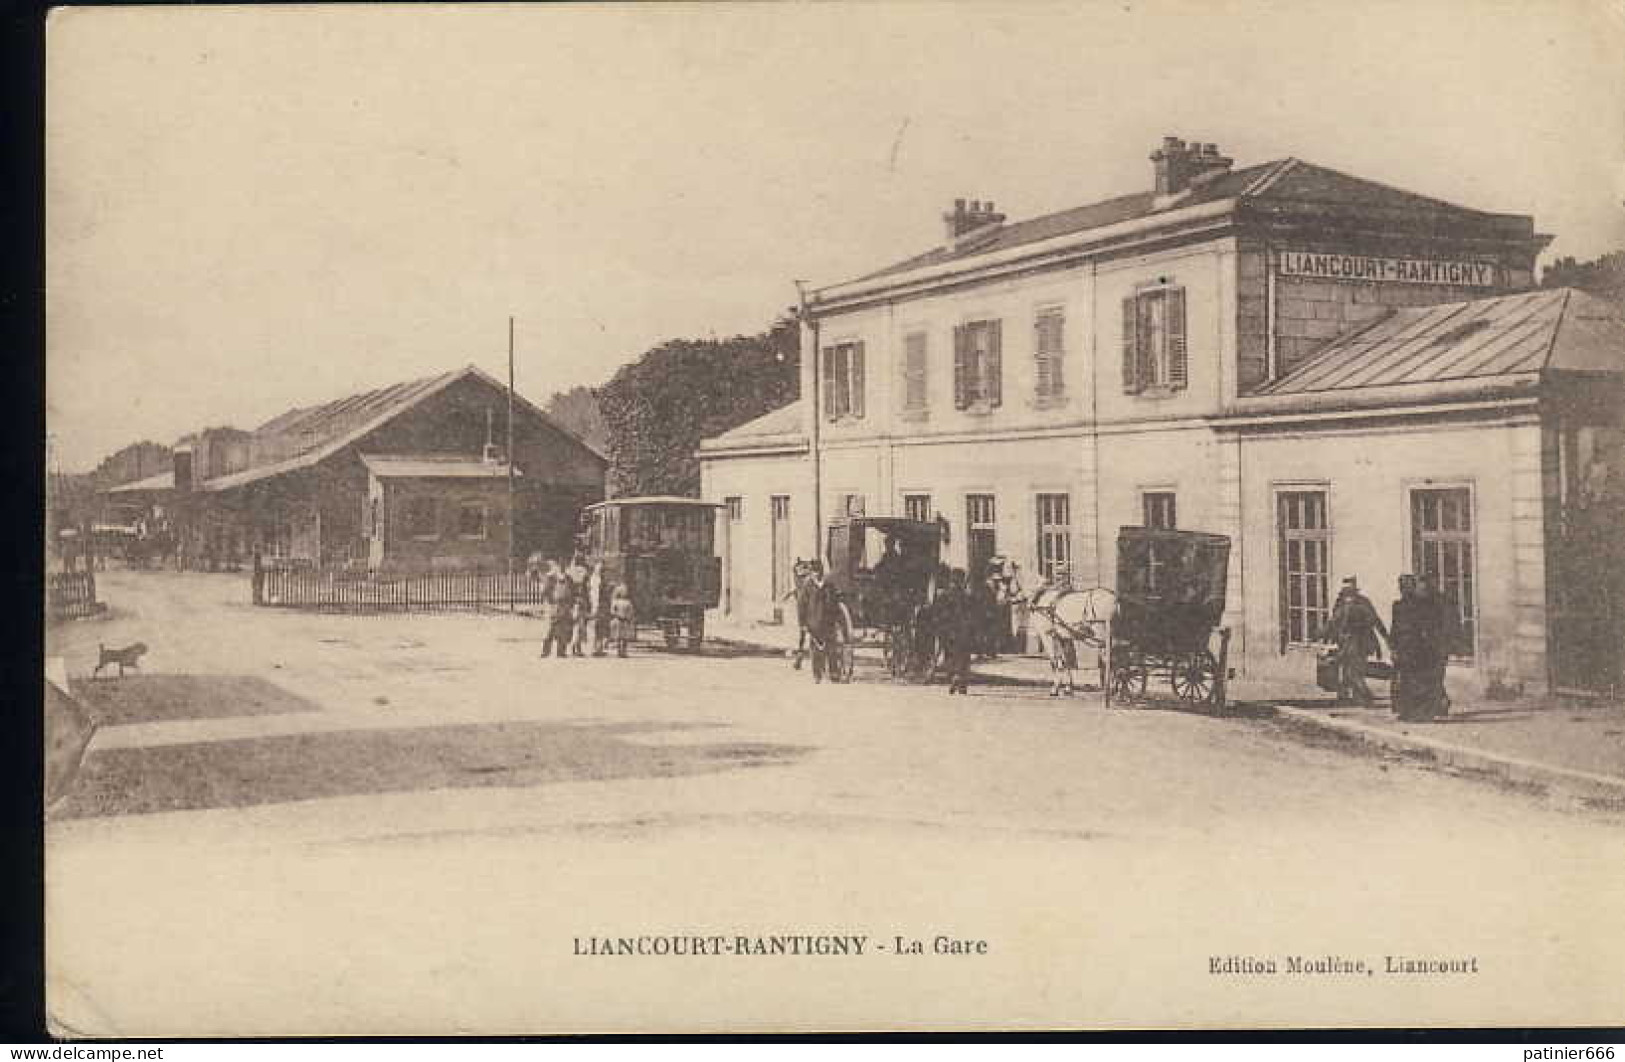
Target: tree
133 462
658 408
577 411
1603 277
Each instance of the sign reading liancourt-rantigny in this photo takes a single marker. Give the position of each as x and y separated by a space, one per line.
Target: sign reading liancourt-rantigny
1332 266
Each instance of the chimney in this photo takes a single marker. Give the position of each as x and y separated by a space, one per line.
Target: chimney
1180 166
183 468
963 219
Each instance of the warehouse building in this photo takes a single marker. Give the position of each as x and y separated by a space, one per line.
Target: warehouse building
1343 377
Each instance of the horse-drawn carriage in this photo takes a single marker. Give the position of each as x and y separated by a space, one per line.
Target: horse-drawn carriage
885 570
1170 597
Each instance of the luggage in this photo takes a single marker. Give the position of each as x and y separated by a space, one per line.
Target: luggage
1379 669
1326 670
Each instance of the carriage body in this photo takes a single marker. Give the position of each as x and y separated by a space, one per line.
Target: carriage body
664 550
882 606
1170 600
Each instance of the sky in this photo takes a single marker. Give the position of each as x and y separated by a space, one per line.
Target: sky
250 209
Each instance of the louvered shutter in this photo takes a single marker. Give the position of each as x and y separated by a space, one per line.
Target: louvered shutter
856 400
1178 359
1041 359
830 412
1131 346
914 371
961 366
993 366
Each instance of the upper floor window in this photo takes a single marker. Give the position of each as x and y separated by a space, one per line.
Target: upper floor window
1049 354
978 368
1154 349
914 379
843 380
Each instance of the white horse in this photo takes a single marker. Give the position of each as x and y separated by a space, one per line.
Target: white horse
1063 619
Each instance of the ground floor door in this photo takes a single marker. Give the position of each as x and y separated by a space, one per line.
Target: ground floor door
781 553
1585 563
981 537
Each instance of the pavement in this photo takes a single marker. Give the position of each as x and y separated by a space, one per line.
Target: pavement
1568 747
293 823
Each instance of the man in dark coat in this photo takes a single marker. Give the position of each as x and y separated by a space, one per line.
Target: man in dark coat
1447 625
1419 653
820 608
953 615
1354 626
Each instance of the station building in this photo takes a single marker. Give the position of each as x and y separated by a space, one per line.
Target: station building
1343 377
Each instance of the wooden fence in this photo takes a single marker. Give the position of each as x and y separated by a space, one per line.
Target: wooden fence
70 594
353 591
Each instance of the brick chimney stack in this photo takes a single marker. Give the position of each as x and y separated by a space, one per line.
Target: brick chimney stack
963 219
1180 166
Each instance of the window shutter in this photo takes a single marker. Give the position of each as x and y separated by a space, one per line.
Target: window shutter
1131 346
856 399
961 366
1178 361
830 413
914 371
1050 382
1041 359
993 367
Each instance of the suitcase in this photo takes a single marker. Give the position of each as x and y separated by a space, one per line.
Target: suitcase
1326 670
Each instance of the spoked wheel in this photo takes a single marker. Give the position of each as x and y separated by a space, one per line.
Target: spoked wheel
842 655
1128 681
899 649
1195 677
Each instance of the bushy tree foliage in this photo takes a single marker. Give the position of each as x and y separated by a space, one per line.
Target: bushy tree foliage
658 408
133 462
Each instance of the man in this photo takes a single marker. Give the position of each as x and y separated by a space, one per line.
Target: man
821 616
558 595
1419 653
580 603
1446 620
952 614
1355 625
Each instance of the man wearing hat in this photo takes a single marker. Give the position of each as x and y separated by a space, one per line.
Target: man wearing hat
1354 625
821 613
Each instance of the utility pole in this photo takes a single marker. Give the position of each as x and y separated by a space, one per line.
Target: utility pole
809 328
512 513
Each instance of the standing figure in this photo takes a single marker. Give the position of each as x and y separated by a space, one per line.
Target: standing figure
954 615
580 604
821 612
1354 626
560 598
982 593
598 592
622 619
1447 625
1419 653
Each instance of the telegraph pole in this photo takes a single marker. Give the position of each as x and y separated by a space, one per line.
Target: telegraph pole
512 513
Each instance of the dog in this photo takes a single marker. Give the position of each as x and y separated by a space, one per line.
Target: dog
129 656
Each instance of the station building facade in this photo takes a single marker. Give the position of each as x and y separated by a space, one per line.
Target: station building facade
1343 377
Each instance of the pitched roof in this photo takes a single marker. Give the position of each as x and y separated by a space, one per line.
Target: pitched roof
162 481
1472 349
302 437
778 427
1287 180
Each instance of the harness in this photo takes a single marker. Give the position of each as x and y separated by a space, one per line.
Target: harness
1086 636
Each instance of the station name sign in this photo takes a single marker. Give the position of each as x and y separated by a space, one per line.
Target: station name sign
1323 266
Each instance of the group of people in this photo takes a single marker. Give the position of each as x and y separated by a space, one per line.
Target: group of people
580 610
1423 627
966 618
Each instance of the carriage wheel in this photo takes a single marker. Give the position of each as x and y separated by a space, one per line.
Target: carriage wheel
899 650
1195 677
841 654
1128 681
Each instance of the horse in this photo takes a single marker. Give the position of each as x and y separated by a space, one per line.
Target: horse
1062 618
801 574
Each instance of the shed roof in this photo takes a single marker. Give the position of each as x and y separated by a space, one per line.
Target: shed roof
1506 339
434 466
780 426
162 481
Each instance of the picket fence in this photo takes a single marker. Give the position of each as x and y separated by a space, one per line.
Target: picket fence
355 591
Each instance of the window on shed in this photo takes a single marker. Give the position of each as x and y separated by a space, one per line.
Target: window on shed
1154 343
421 515
1443 544
1306 564
472 517
978 365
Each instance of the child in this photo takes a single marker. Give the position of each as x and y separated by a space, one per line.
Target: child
622 619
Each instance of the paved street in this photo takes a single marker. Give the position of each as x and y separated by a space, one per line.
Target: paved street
303 823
